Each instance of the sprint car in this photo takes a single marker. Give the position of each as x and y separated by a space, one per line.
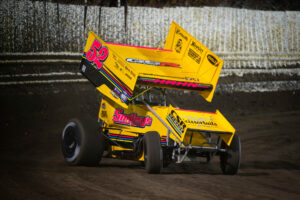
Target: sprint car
136 120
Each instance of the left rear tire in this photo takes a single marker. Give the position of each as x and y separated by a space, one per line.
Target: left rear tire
82 143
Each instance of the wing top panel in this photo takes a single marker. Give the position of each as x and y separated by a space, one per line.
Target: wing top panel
184 63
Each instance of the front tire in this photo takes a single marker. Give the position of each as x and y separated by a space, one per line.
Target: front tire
230 160
82 143
152 152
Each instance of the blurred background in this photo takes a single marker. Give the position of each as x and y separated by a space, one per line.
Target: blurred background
258 40
41 89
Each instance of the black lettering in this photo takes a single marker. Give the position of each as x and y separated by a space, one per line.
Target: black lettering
128 76
182 35
197 47
192 54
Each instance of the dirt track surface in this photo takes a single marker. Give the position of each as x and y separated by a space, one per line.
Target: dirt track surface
32 166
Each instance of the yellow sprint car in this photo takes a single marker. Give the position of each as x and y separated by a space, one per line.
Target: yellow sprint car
136 120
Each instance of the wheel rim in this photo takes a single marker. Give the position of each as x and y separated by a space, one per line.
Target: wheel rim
70 142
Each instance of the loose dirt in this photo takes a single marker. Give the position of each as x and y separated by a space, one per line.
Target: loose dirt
32 166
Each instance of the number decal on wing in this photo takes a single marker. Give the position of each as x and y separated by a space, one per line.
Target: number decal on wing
97 54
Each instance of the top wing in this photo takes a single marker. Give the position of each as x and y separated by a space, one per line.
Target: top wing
196 59
184 63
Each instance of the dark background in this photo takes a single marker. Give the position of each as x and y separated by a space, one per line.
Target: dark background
33 115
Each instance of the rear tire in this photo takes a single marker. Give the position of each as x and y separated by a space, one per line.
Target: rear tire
230 160
153 157
82 143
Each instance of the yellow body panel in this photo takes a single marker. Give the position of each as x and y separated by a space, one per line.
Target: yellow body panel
210 122
137 119
134 119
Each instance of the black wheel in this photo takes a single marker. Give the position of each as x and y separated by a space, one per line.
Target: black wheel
230 160
82 143
153 158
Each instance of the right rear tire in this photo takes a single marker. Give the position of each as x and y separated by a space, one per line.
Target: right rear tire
153 156
82 143
230 160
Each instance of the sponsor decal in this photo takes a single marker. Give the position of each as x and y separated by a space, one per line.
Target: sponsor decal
116 91
194 44
131 119
212 60
155 63
193 55
97 54
177 31
114 94
121 66
178 46
123 97
206 123
176 122
119 94
200 121
178 84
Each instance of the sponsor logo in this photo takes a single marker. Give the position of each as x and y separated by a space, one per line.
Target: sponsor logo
123 97
149 62
206 123
114 94
194 44
196 57
117 91
181 34
178 83
200 121
131 119
176 122
212 60
178 46
118 94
